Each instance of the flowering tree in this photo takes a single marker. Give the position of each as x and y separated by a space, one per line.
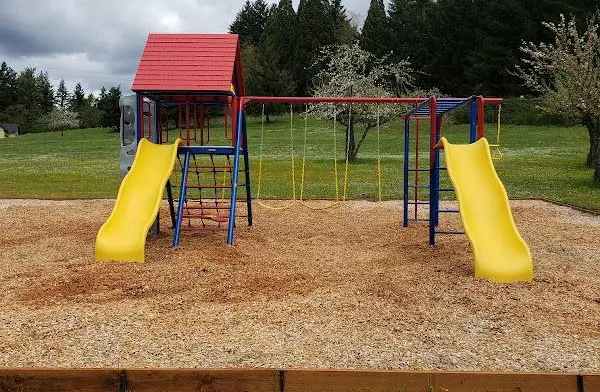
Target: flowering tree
567 73
353 72
61 119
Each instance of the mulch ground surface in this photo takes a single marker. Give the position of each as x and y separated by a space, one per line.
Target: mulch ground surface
346 287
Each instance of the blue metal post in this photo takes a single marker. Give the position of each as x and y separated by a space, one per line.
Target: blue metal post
432 162
247 170
234 182
406 163
182 196
473 120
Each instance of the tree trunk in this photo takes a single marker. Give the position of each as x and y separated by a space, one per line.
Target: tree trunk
350 142
593 157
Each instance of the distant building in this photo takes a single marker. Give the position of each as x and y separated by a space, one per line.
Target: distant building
8 130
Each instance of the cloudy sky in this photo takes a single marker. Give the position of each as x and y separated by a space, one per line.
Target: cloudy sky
99 42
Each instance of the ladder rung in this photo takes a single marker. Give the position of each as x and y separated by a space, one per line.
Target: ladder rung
449 210
207 228
418 203
216 218
211 200
210 171
211 207
211 186
418 170
210 166
449 232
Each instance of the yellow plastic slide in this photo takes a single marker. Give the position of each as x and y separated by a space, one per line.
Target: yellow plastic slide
123 236
500 252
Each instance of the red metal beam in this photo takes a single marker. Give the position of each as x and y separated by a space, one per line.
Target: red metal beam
247 100
257 99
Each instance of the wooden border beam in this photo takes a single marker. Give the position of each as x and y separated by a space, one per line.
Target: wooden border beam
293 380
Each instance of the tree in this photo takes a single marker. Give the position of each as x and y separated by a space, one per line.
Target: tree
62 94
8 86
46 92
29 98
375 36
61 118
278 39
250 21
353 71
345 32
108 104
89 114
264 77
410 23
77 98
314 30
567 74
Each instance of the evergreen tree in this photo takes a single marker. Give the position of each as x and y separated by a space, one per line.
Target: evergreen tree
410 23
77 98
250 21
28 101
108 104
89 115
265 77
375 36
314 30
62 94
277 41
345 32
46 92
8 86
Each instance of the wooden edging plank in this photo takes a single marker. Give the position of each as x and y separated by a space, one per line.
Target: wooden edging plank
393 381
591 382
270 380
57 380
207 380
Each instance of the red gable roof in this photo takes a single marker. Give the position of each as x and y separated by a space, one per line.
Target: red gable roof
190 63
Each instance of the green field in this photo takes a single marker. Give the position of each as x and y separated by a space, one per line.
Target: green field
538 162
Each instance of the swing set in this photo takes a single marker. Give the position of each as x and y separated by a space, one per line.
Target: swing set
341 195
301 200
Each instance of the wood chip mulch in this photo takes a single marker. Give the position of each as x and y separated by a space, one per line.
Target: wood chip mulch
346 287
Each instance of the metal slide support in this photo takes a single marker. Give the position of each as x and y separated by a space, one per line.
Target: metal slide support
182 197
171 204
406 163
155 138
234 181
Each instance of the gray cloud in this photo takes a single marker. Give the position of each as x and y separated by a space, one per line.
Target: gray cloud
99 42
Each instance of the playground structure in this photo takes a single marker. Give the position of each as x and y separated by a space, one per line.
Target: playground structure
185 77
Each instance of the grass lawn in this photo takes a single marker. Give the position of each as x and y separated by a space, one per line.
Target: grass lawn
538 162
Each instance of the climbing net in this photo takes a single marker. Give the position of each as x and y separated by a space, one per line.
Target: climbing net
208 177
